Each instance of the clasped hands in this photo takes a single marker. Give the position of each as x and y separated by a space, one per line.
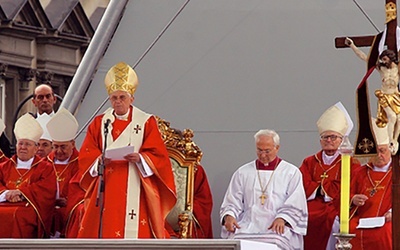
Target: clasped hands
277 226
14 195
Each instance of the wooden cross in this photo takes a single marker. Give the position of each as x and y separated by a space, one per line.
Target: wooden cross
324 175
390 41
137 128
263 197
132 213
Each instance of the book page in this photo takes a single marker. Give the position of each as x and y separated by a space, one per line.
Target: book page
371 222
118 153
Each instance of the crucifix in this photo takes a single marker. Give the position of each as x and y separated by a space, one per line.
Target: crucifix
364 132
263 197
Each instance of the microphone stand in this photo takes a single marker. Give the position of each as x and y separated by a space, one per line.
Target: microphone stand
101 186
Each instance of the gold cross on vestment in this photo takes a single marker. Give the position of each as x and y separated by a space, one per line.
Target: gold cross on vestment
263 197
324 175
18 182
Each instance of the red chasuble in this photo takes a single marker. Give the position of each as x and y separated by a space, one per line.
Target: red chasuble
30 218
75 207
378 203
202 205
3 158
64 173
157 192
321 213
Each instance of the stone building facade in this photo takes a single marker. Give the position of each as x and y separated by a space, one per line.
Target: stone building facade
41 42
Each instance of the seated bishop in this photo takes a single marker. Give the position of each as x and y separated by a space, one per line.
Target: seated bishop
27 186
62 128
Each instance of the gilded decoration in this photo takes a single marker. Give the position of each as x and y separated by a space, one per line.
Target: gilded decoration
185 155
391 12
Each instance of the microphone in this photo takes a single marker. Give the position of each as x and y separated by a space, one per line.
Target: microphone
108 121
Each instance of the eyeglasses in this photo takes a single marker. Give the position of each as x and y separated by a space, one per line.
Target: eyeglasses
332 137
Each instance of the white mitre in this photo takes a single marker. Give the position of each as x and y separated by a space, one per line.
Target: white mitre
335 119
381 134
28 128
62 126
43 120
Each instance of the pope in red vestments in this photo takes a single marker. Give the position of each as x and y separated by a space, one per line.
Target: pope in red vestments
27 186
371 193
139 189
321 178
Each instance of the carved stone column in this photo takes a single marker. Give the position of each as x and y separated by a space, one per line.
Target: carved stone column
3 69
44 77
25 77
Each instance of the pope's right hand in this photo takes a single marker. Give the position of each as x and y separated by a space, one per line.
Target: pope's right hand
230 223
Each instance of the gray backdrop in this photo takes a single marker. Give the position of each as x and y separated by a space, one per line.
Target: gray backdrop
227 68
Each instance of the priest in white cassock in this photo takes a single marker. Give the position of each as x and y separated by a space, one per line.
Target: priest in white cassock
265 200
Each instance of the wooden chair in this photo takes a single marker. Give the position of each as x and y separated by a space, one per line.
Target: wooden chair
184 155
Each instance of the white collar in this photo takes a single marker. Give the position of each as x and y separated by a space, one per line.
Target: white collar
122 117
61 162
24 164
45 114
328 159
384 168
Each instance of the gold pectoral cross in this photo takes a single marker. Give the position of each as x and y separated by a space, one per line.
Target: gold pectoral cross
324 175
18 182
374 190
263 197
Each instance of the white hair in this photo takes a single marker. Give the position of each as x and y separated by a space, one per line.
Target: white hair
268 132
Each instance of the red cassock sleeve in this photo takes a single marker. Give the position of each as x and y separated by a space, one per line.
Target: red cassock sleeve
202 205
